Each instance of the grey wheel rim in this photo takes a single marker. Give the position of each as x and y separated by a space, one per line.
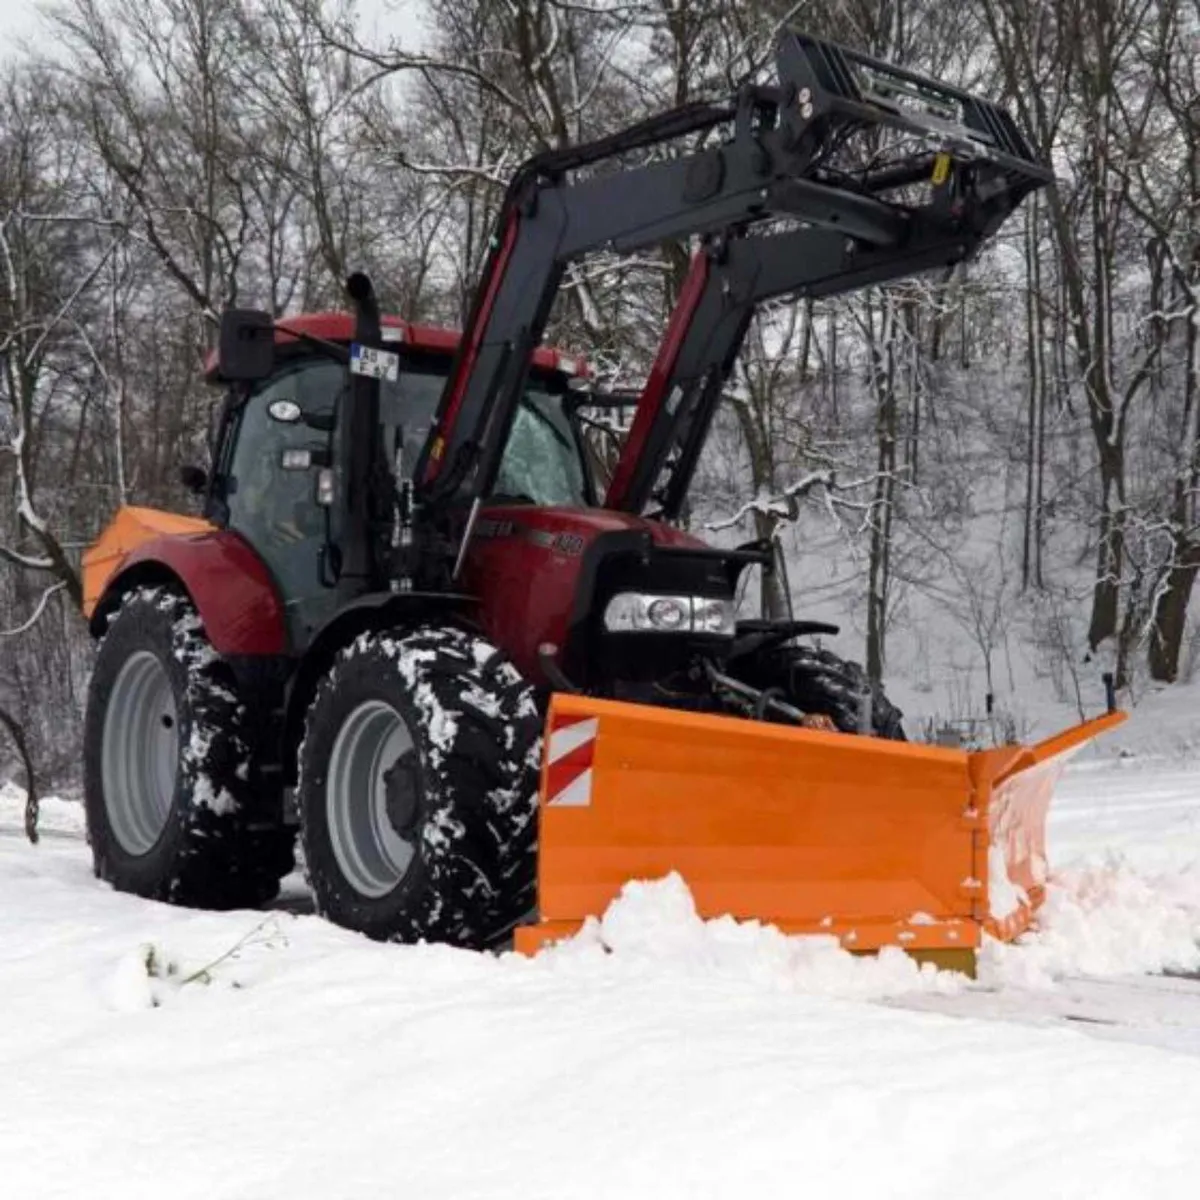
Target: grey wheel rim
140 752
372 856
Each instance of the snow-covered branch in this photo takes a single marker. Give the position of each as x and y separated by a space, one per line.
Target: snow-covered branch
27 562
33 619
785 505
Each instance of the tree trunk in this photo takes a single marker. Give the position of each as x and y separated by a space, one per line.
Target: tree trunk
1170 612
1175 590
1110 552
1031 556
17 733
775 602
879 568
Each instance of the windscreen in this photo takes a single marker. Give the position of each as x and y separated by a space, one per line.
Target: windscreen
541 463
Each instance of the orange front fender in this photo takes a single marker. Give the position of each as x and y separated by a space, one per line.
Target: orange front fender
230 585
129 530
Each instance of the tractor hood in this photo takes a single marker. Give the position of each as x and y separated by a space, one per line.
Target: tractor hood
544 575
544 526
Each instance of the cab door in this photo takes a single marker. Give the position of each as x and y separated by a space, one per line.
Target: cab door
267 486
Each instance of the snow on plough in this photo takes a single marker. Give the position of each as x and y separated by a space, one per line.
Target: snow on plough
407 573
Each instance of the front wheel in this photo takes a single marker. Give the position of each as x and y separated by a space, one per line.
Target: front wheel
417 794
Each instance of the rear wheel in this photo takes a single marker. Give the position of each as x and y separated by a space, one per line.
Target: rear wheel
418 780
166 769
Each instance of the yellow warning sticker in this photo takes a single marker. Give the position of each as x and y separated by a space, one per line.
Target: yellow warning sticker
941 169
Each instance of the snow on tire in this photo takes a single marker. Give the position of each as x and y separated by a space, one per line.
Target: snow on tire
417 794
166 768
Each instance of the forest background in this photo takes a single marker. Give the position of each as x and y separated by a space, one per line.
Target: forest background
988 478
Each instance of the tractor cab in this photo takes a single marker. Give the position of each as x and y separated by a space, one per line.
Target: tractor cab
564 584
273 481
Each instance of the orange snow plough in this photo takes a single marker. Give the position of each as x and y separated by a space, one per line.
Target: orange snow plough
875 842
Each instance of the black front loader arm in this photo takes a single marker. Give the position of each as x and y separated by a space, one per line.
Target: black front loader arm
729 279
771 165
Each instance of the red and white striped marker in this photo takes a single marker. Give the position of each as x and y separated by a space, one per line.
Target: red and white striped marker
569 762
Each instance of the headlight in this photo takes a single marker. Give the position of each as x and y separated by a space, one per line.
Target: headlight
669 613
640 612
712 616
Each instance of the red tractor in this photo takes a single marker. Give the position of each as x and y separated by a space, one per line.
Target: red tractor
404 553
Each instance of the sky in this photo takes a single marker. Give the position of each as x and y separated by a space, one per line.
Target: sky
20 21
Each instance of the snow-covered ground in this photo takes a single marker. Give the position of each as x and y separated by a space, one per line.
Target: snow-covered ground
154 1052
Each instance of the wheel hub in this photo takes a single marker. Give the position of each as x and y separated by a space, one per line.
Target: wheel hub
140 752
400 794
371 799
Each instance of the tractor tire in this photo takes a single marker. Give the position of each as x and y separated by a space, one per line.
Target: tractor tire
166 769
418 789
817 681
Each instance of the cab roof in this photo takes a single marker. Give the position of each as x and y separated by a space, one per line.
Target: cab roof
425 339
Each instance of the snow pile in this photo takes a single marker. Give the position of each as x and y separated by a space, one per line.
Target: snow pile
653 930
1004 896
55 817
155 973
148 1050
1104 918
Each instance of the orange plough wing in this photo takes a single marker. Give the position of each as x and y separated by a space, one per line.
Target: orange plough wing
875 842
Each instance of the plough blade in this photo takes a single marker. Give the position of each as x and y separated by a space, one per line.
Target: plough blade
877 843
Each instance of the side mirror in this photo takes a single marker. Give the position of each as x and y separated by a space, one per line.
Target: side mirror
195 479
246 345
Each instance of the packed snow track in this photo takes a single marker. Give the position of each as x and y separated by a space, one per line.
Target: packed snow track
148 1051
